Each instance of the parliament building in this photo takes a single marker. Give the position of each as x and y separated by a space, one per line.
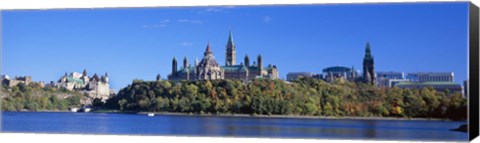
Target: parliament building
209 69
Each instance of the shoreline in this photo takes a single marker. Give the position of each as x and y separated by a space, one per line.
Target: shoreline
256 116
299 117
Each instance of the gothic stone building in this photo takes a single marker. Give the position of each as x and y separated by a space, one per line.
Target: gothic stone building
368 67
209 69
96 87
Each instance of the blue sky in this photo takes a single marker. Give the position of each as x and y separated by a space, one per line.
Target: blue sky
139 43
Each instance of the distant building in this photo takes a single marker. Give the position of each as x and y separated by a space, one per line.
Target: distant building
389 79
209 69
431 77
438 86
96 87
391 75
11 82
296 75
331 73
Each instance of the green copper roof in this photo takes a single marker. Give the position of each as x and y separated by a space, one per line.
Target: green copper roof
70 79
235 68
337 69
184 70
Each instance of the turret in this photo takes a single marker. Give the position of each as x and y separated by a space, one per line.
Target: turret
84 72
174 66
247 61
185 62
106 77
158 77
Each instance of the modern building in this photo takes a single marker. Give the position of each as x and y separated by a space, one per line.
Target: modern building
296 75
368 66
209 69
438 86
389 79
96 87
431 77
331 73
391 75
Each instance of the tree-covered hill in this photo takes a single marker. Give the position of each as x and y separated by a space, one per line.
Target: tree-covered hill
33 97
306 96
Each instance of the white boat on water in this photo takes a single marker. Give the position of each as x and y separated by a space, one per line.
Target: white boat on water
87 109
151 114
73 109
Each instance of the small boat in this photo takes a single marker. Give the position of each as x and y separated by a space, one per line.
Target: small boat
73 109
87 109
151 114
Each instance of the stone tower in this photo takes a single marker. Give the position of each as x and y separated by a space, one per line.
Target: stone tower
368 66
230 57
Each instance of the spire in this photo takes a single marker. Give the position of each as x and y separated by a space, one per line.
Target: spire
106 74
84 72
208 50
368 52
230 39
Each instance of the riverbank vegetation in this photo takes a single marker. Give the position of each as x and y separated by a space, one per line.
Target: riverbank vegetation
33 97
302 97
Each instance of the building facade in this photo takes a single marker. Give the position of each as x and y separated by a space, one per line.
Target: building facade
96 87
11 82
209 69
431 77
332 73
389 79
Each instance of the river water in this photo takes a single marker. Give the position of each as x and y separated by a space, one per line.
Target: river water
183 125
